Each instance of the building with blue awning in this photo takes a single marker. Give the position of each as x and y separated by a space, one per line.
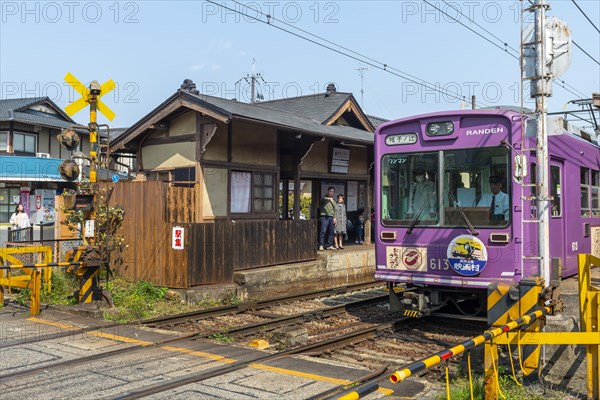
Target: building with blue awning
30 155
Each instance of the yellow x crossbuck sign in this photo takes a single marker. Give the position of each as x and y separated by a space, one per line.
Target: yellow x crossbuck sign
82 102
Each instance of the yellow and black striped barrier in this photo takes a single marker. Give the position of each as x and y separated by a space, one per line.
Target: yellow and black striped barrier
443 355
359 392
86 273
506 303
78 261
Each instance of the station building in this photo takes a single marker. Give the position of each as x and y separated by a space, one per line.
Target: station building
244 179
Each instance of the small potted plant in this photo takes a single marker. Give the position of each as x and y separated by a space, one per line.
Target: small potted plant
69 196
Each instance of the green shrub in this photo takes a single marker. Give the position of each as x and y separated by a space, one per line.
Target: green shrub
133 300
23 297
63 287
459 390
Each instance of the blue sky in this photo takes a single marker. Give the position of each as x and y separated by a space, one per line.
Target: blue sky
149 47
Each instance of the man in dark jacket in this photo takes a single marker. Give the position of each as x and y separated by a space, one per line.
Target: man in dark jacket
327 218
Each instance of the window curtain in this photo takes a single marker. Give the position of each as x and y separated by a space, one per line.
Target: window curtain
241 184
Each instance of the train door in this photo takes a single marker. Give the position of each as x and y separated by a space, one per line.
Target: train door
557 212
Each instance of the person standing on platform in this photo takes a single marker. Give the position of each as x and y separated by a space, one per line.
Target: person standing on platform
340 222
327 219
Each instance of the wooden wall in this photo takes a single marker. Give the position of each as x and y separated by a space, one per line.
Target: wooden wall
216 250
147 230
213 251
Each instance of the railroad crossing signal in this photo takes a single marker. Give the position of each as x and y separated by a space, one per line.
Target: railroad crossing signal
83 101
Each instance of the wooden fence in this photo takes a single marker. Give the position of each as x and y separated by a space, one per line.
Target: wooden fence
216 250
213 251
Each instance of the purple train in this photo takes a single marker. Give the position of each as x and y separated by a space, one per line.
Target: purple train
455 205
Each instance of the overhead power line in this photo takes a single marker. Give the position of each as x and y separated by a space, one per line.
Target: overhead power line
355 55
517 51
585 52
471 29
565 85
585 15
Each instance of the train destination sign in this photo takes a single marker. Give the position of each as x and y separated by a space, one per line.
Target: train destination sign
406 138
467 255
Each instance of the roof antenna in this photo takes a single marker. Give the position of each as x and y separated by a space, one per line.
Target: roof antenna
361 72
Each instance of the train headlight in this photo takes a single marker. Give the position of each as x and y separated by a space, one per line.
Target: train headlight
440 128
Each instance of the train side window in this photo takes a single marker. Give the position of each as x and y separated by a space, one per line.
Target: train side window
595 193
585 192
555 190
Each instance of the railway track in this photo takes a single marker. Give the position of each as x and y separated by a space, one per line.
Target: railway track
241 331
172 320
198 315
365 337
318 347
352 333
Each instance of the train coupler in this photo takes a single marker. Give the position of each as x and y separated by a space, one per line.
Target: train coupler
410 304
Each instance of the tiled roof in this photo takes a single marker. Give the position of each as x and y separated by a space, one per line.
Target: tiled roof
231 109
260 112
317 106
114 132
18 110
376 121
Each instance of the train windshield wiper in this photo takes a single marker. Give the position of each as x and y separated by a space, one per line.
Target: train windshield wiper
415 219
463 215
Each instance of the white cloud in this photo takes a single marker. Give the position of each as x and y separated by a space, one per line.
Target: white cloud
197 67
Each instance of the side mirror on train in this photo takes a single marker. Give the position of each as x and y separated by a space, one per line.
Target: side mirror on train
520 167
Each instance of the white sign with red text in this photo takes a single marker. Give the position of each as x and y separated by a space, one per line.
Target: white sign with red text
178 236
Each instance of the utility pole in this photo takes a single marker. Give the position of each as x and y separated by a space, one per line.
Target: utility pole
252 80
541 88
361 72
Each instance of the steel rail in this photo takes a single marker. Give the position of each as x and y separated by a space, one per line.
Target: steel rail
334 392
212 312
215 312
304 316
320 347
254 327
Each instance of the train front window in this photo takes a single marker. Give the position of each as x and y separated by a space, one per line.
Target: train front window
409 189
476 181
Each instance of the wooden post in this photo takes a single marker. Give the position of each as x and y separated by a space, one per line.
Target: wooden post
297 190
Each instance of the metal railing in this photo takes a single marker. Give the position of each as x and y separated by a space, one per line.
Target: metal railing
20 234
59 248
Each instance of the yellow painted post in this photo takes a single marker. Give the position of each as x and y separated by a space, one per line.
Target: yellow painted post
589 313
530 291
47 272
36 289
490 371
507 303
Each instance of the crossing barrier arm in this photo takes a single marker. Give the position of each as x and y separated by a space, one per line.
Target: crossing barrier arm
488 335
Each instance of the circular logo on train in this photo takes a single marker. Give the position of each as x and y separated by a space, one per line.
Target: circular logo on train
467 255
411 258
